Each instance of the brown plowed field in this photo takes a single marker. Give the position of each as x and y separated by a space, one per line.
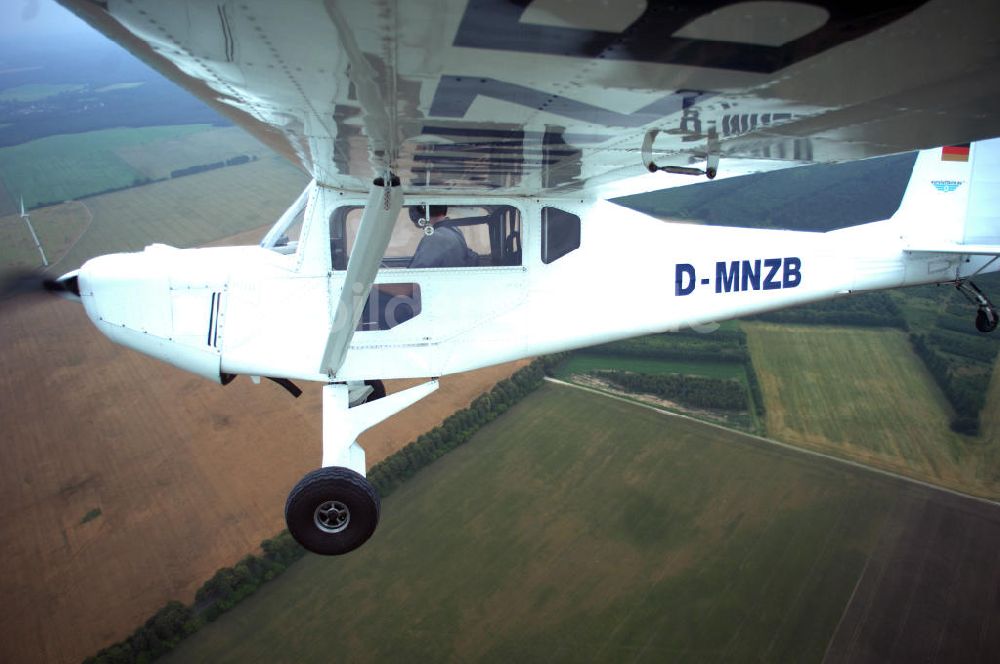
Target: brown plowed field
188 476
930 590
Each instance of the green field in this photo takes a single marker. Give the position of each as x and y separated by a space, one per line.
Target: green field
581 528
583 362
863 394
66 166
183 212
215 144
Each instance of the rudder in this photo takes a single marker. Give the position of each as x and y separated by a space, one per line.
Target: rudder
953 197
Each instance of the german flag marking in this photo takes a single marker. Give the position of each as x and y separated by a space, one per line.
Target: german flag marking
955 152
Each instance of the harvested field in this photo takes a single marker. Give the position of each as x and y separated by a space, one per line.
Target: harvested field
188 211
863 394
58 227
582 528
188 477
183 212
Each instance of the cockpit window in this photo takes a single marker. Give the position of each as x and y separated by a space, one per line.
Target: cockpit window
284 235
560 233
437 236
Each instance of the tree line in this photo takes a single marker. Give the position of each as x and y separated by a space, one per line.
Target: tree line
865 310
717 346
142 180
959 358
690 391
231 585
979 348
965 391
201 168
724 345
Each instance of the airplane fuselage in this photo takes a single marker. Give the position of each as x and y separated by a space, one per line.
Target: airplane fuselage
253 311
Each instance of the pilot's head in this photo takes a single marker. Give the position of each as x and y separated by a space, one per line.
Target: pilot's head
437 213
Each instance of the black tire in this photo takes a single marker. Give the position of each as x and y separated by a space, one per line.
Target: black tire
378 390
985 322
332 511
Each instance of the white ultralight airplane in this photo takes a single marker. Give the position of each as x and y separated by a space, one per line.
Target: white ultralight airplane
514 122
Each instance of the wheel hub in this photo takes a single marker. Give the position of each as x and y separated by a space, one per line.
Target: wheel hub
332 516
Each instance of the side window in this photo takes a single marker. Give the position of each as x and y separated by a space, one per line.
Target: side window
437 236
560 233
390 305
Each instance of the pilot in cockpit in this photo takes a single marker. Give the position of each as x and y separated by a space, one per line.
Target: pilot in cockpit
442 245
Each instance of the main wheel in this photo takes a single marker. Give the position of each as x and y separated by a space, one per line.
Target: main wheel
332 511
986 320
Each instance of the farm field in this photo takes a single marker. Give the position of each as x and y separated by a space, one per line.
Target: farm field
581 528
185 477
928 589
210 145
190 211
66 166
58 227
183 212
864 395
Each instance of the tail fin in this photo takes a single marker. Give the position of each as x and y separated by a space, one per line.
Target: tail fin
952 202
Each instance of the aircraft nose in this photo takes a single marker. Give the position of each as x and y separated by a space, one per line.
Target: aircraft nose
128 291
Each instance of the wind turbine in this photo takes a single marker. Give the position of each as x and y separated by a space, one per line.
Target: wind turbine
24 215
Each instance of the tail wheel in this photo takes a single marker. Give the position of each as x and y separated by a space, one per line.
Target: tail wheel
378 390
986 319
332 511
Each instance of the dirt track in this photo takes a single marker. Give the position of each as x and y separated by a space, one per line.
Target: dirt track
188 477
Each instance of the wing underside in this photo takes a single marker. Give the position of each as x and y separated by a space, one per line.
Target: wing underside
526 98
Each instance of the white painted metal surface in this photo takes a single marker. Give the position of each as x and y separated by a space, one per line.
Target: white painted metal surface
631 275
492 96
342 424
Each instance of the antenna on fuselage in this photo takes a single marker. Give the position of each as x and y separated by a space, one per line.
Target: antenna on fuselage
27 221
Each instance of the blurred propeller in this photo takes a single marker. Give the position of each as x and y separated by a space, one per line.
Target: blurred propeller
14 283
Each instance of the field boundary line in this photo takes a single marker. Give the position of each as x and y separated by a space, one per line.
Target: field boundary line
787 446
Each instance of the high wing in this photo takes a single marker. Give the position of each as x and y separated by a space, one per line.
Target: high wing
552 96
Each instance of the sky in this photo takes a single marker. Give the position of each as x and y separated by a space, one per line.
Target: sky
39 18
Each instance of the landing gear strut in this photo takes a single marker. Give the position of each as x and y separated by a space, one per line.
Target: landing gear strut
334 509
986 313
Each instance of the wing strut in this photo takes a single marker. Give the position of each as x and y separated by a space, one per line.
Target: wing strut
381 211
